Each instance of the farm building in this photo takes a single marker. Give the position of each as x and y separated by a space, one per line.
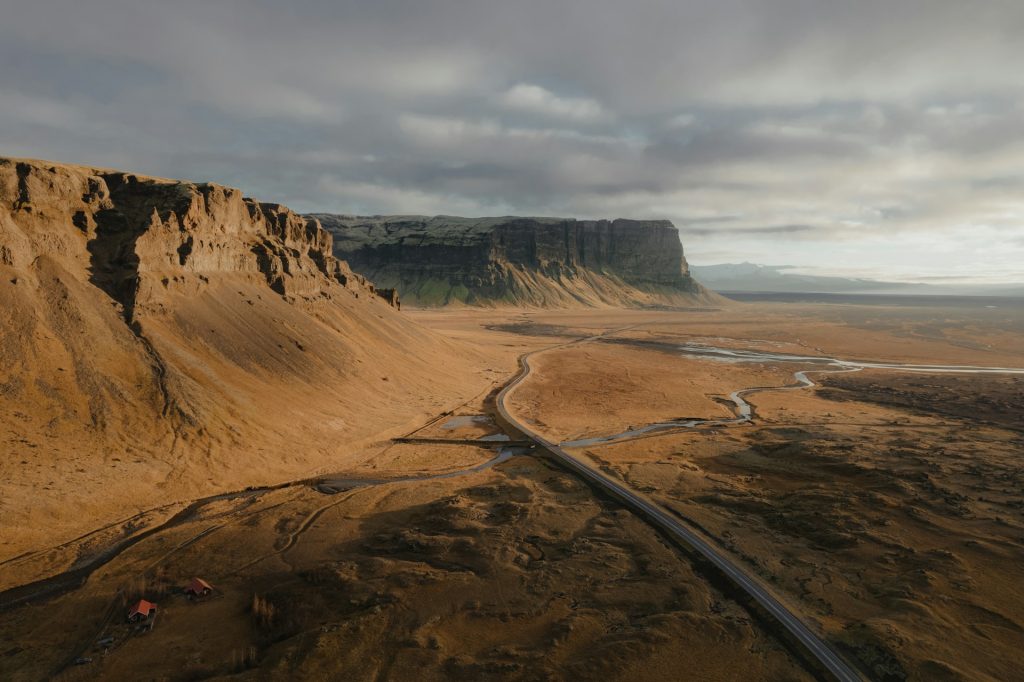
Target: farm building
141 611
198 588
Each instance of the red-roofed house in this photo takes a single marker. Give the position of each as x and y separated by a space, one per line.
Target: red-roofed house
198 588
141 611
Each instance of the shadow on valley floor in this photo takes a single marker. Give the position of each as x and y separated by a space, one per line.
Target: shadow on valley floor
515 572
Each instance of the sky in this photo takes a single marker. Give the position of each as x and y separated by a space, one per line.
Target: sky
873 138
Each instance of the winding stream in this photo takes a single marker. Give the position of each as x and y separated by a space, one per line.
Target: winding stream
744 411
331 486
76 576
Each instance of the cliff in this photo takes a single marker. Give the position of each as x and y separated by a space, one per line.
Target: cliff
518 261
162 339
144 234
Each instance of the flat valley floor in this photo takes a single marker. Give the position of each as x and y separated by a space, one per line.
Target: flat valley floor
885 506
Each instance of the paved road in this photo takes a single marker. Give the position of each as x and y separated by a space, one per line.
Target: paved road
673 526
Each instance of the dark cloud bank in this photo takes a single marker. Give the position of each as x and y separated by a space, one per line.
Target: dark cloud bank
883 138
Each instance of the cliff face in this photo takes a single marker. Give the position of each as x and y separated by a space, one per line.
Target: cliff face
532 261
161 340
142 235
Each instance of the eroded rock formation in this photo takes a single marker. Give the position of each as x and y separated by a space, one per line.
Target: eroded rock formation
532 261
142 234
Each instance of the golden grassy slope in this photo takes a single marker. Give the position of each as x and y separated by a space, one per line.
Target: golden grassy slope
161 340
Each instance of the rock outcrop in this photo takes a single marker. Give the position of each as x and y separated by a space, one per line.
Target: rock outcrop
144 234
162 340
518 261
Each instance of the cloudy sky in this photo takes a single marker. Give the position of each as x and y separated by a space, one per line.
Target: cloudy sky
876 138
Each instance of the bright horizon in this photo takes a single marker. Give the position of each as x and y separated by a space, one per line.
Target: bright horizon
878 140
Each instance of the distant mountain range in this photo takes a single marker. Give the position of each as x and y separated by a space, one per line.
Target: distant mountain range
751 277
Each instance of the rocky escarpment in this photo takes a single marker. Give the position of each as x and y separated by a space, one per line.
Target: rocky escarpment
521 261
142 234
161 340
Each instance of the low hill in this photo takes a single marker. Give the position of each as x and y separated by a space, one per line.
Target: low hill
753 278
538 262
161 340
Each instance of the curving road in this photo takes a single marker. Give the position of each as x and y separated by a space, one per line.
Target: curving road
671 525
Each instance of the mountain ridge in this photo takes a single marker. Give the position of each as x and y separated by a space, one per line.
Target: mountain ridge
519 261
